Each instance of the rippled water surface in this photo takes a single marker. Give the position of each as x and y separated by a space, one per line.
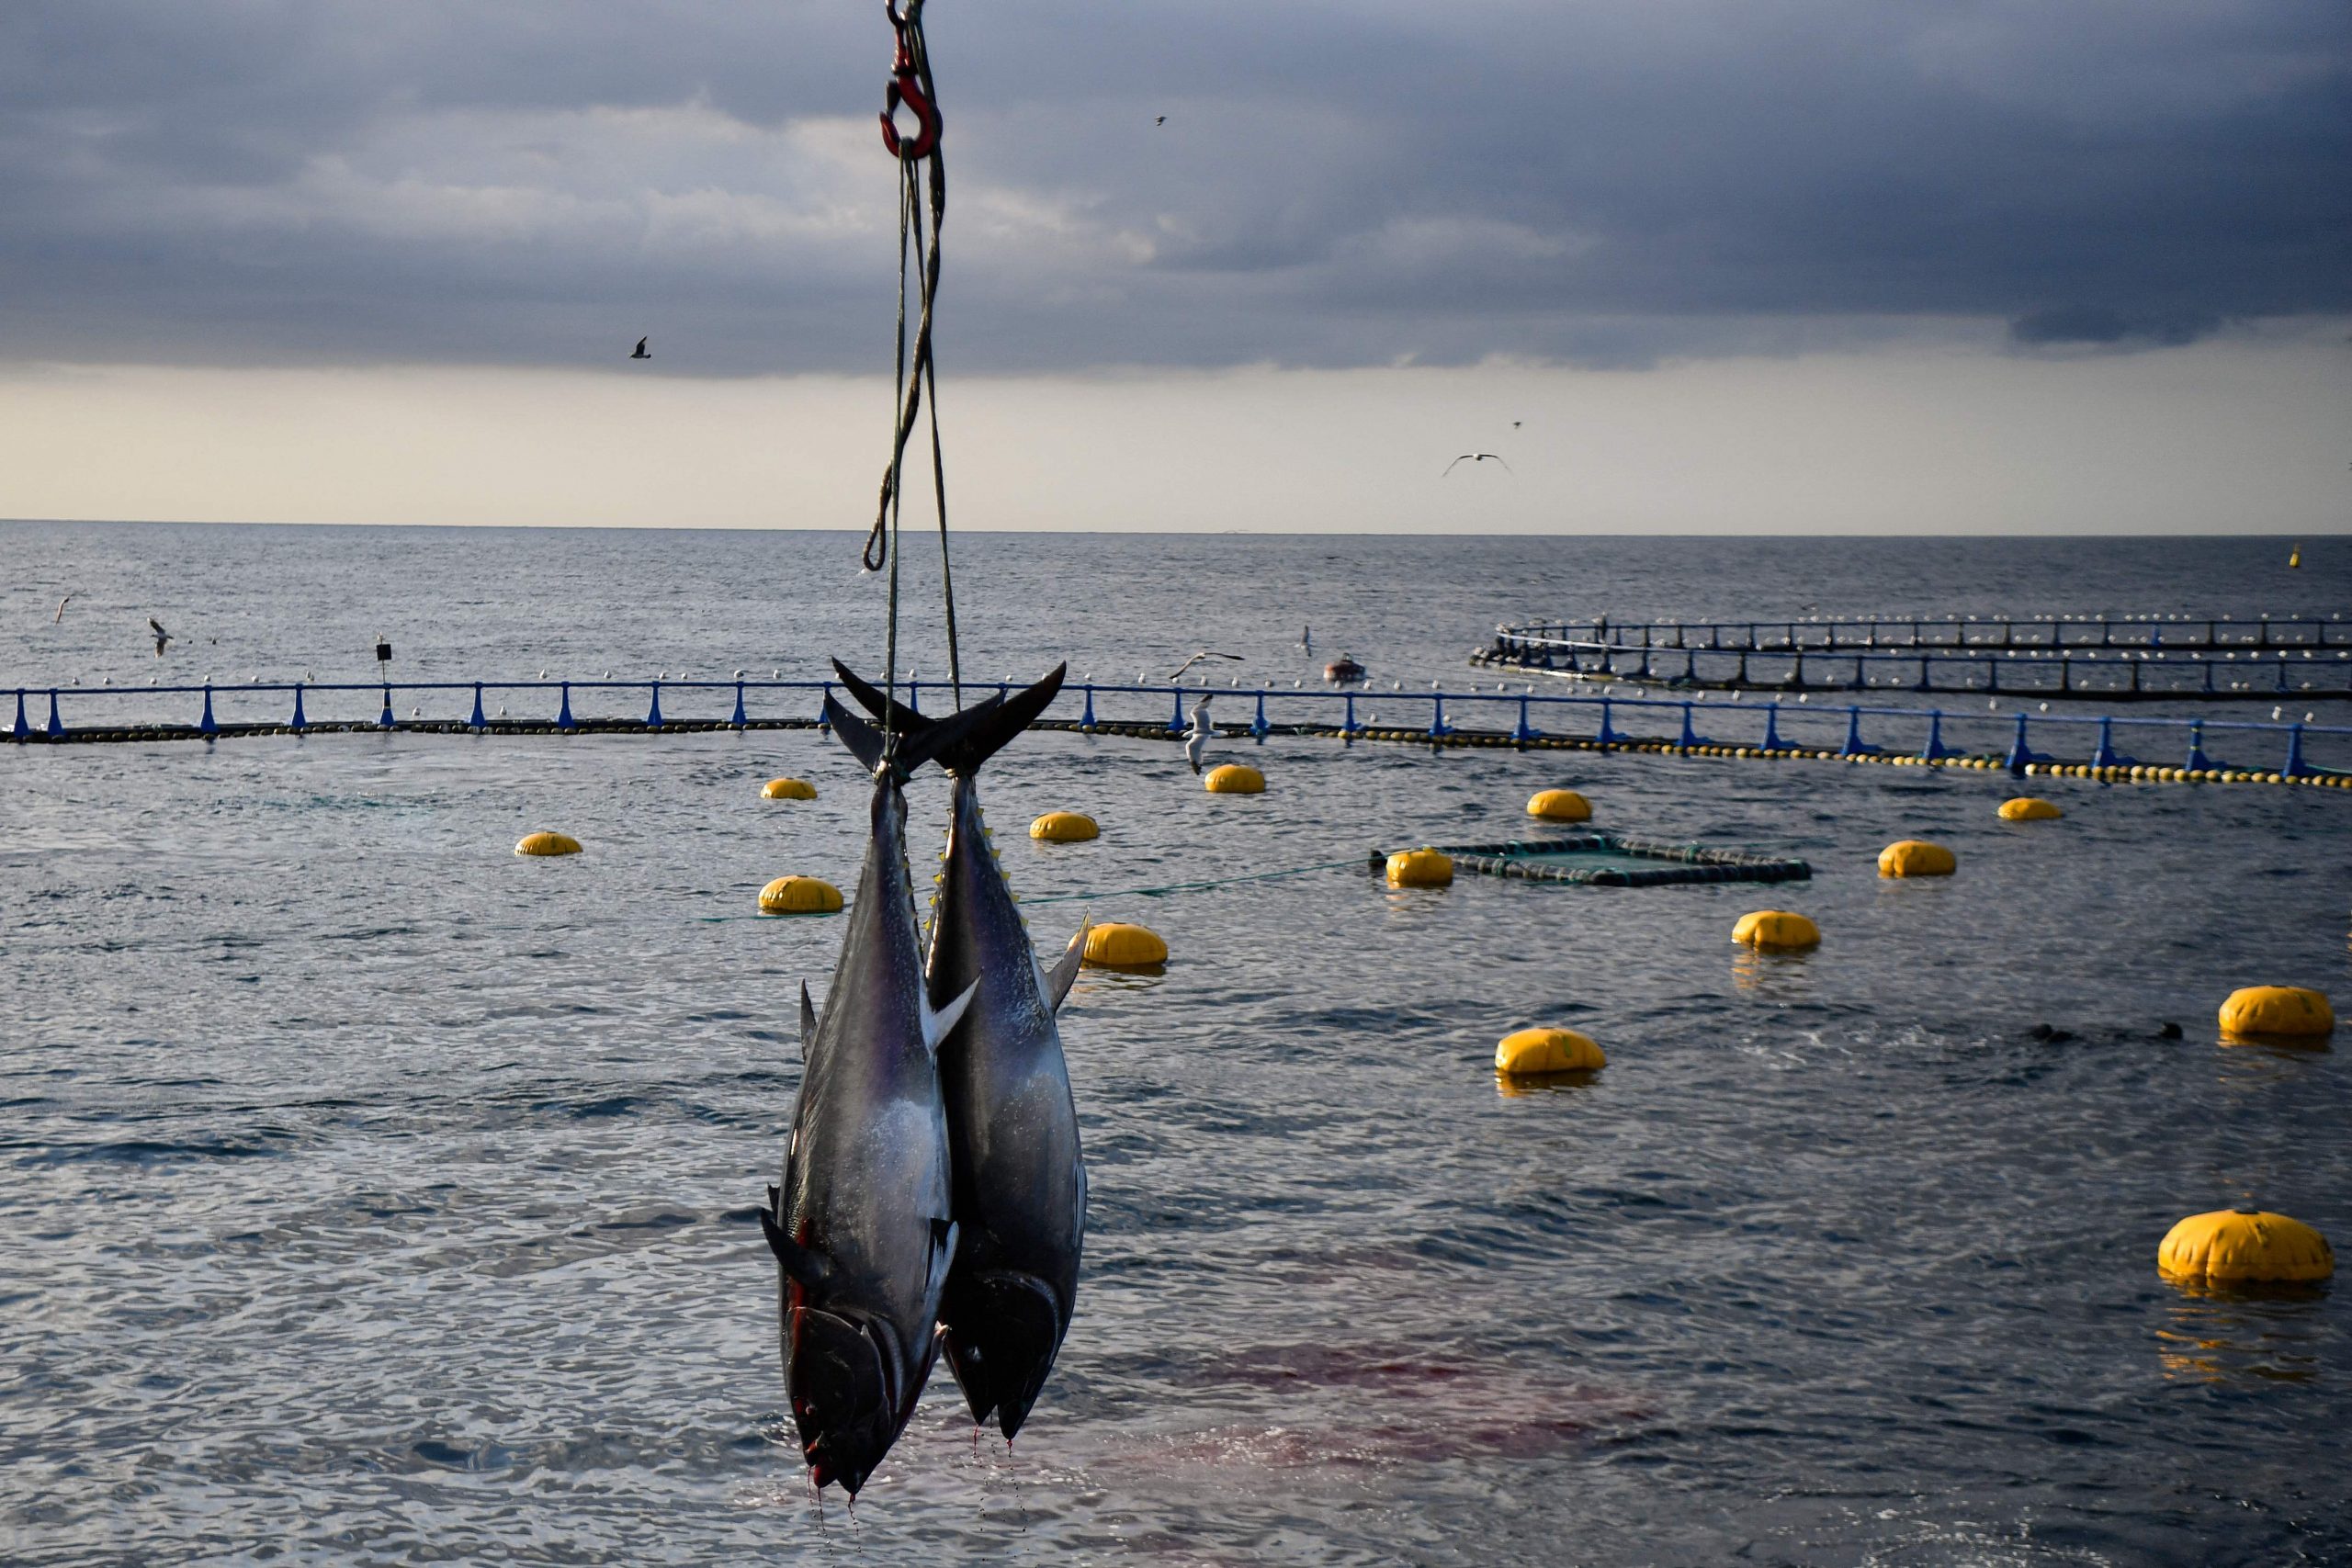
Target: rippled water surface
374 1195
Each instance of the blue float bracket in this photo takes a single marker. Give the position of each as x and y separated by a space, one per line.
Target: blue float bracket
1176 719
2020 753
2296 767
384 721
739 721
1691 737
1525 732
1936 751
23 729
299 723
57 729
1258 726
914 694
824 699
1854 747
203 724
563 719
478 722
2198 761
653 713
1772 741
1348 725
1438 727
2107 756
1609 734
1086 721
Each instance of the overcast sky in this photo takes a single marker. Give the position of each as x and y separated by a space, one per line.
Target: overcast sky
1444 208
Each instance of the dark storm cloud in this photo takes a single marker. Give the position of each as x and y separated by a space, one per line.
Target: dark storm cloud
541 181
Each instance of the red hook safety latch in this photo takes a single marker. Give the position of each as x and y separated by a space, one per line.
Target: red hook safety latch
906 88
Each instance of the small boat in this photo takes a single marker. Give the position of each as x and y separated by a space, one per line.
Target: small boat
1344 671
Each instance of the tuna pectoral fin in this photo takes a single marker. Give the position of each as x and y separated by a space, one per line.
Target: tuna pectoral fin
960 751
808 1021
1065 971
806 1265
938 1024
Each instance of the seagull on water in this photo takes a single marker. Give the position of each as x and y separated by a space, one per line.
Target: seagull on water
1196 739
1203 653
640 352
162 637
1475 458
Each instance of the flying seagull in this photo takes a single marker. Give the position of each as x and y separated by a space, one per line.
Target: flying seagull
1475 458
1205 653
640 352
61 607
1159 119
162 637
1196 739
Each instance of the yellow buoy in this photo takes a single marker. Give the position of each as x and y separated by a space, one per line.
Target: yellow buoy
2288 1011
1423 867
1915 857
1776 928
1559 806
1533 1052
1235 778
2028 808
547 844
1118 946
2253 1245
1065 828
800 895
787 789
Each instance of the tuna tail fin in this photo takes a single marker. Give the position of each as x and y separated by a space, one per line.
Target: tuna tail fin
864 740
912 746
805 1265
964 755
1060 979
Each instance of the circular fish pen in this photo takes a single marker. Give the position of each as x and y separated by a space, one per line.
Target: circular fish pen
2081 658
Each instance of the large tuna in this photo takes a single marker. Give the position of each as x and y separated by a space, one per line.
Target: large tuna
861 1226
1020 1181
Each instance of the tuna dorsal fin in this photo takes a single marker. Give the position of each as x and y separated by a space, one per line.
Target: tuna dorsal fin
938 1023
776 1199
1065 970
808 1022
803 1264
963 753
